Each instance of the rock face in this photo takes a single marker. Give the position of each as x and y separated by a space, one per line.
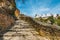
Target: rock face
6 21
7 14
8 6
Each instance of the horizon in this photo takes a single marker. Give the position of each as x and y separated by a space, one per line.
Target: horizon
32 7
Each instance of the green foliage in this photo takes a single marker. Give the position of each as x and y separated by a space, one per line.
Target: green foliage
58 22
39 19
51 18
36 18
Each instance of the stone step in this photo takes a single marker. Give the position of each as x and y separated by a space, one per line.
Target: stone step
21 21
14 34
19 30
21 27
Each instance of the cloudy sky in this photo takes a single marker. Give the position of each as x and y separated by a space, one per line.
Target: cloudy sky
32 7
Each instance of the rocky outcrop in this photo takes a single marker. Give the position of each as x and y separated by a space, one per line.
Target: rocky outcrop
7 14
8 5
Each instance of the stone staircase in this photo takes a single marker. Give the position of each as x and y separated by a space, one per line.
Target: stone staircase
22 31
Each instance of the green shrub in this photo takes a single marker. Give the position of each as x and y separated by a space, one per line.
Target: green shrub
51 18
58 22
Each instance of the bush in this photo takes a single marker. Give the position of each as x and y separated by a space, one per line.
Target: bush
51 18
58 22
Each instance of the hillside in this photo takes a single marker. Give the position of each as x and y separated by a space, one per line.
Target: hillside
50 31
28 29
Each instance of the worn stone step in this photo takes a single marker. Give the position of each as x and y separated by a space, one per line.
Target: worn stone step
13 34
21 27
18 30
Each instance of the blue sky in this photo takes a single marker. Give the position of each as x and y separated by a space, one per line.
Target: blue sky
32 7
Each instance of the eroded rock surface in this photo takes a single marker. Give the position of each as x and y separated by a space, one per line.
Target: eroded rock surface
7 16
